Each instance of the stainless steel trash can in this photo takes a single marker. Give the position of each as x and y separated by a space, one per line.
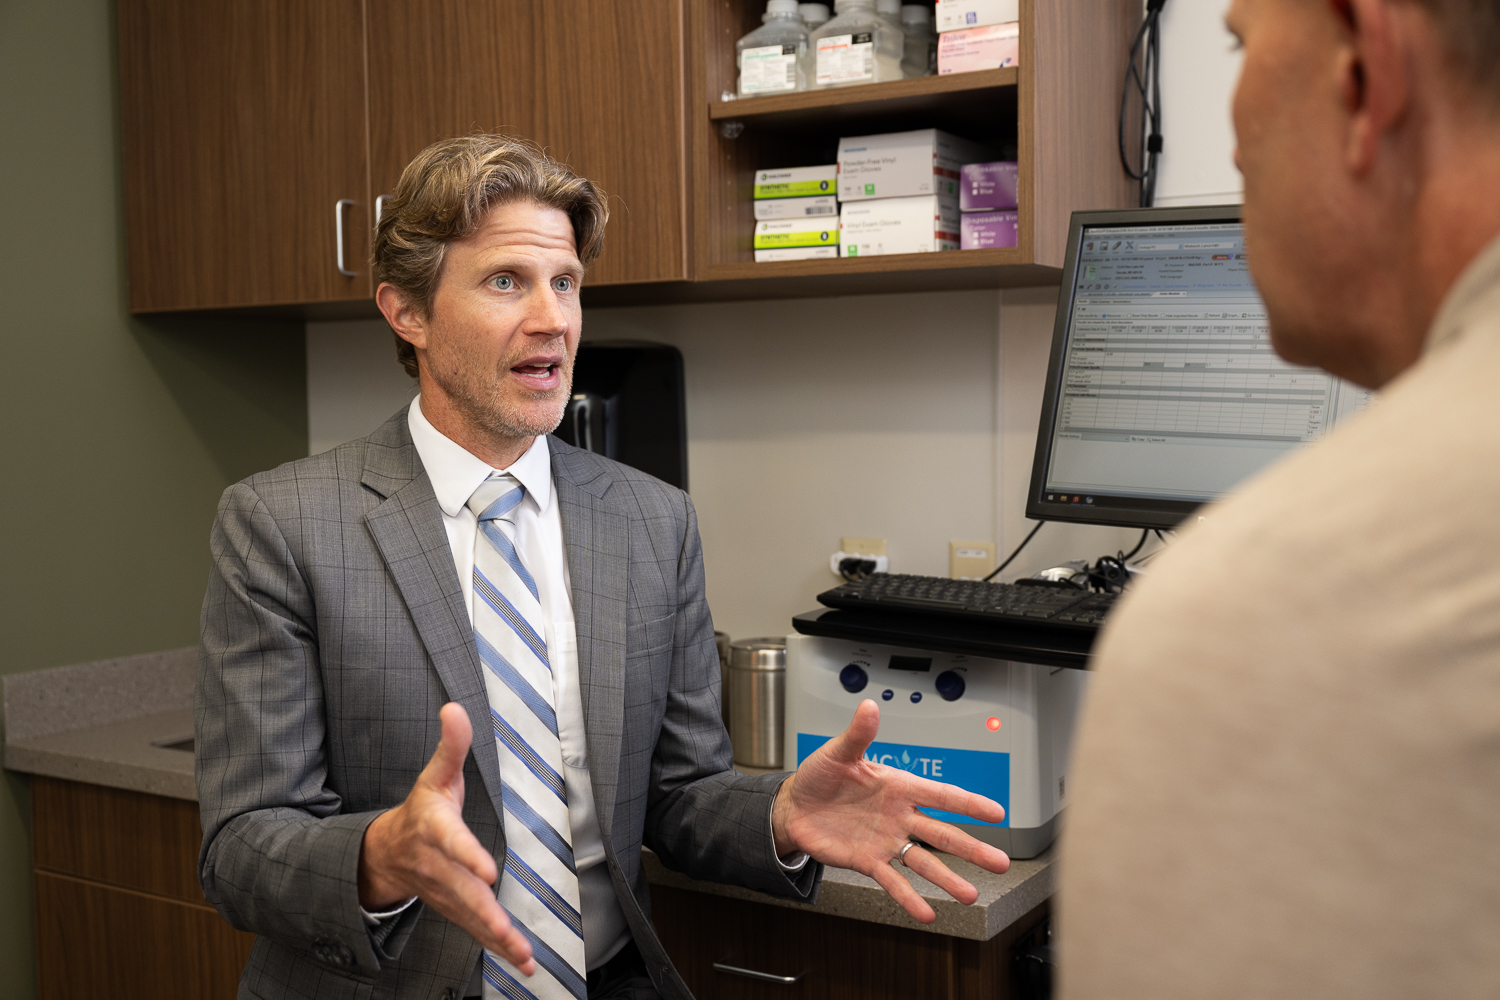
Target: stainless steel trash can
757 701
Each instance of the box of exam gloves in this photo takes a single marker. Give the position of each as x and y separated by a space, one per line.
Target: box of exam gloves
796 208
920 224
980 230
987 187
797 182
974 49
774 237
903 164
955 14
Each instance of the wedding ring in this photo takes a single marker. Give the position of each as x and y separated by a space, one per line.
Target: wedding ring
902 856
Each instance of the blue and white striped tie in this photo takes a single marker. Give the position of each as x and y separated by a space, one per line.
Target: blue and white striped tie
539 884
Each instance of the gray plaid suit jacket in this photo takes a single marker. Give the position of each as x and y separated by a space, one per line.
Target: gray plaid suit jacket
334 629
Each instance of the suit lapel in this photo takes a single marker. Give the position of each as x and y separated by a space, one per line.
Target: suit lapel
408 532
598 545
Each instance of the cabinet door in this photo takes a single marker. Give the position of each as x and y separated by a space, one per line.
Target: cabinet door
441 68
598 85
613 110
244 128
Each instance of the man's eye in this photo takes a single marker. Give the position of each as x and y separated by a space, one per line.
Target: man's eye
505 283
563 284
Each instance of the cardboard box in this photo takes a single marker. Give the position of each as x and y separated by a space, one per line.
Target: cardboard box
797 182
795 253
979 48
979 230
987 187
823 206
898 225
784 234
953 15
903 164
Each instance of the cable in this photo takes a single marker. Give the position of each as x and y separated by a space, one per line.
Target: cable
1145 69
1015 553
1126 556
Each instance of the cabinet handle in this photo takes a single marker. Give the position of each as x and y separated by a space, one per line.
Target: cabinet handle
764 977
338 233
379 207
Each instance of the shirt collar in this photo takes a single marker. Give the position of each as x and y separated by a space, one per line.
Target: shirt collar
456 473
1474 286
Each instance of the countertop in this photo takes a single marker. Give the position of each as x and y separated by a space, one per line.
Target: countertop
106 723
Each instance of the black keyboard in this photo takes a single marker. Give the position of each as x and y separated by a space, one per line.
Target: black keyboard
997 603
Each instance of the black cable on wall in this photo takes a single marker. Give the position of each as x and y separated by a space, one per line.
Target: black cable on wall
1143 80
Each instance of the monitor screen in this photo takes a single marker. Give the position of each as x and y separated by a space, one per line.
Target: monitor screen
1163 391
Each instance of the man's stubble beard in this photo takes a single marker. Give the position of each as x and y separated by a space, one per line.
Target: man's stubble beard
484 403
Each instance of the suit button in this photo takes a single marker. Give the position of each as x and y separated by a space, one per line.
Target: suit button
449 993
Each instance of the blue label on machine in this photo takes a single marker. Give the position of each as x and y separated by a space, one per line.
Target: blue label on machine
979 771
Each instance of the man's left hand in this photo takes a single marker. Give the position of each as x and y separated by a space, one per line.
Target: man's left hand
850 812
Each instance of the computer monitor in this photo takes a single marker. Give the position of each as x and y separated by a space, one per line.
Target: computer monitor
1163 391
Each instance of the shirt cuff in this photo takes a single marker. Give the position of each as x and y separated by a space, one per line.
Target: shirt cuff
376 919
798 859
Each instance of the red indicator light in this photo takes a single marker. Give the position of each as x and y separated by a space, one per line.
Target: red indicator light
992 724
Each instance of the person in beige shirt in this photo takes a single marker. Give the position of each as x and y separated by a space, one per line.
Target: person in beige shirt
1287 778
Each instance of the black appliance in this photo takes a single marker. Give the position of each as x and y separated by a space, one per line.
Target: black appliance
629 404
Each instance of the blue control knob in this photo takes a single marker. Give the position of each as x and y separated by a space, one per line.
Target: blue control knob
950 685
854 678
887 694
916 696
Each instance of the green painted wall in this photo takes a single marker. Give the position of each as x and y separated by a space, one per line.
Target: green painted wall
119 433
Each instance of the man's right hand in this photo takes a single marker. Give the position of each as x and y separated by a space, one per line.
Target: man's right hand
423 848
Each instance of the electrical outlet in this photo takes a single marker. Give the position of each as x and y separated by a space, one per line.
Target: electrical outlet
863 546
970 560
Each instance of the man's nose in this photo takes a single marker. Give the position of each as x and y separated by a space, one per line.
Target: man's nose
545 313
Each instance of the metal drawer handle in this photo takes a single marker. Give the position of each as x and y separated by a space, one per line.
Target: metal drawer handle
338 233
764 977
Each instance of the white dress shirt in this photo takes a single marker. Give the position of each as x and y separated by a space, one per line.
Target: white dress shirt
455 475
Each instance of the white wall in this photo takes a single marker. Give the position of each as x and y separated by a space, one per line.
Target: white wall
1199 68
907 417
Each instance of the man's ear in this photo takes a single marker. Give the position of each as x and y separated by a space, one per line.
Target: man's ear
1374 75
397 308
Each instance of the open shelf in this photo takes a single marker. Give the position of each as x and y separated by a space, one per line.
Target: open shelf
895 96
1055 113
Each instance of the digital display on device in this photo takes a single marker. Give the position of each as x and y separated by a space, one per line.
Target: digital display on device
921 663
1163 391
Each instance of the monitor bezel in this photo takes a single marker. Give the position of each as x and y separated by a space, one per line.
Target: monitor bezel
1145 513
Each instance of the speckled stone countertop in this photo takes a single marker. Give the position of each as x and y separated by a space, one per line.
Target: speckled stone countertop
1003 899
111 723
106 723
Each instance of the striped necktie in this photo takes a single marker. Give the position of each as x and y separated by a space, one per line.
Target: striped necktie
539 884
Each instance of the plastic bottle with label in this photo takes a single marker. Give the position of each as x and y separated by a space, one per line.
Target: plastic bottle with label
772 58
857 46
814 15
891 11
919 56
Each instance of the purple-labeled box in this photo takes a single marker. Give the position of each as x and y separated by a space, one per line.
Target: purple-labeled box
987 187
978 230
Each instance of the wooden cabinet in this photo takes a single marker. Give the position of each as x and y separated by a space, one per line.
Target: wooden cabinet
118 906
245 125
244 147
826 958
258 136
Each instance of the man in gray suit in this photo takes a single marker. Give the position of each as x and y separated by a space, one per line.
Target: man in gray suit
459 572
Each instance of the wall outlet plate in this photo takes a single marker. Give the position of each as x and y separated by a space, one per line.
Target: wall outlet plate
862 546
970 560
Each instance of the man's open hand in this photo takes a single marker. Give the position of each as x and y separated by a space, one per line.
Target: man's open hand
849 812
423 848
